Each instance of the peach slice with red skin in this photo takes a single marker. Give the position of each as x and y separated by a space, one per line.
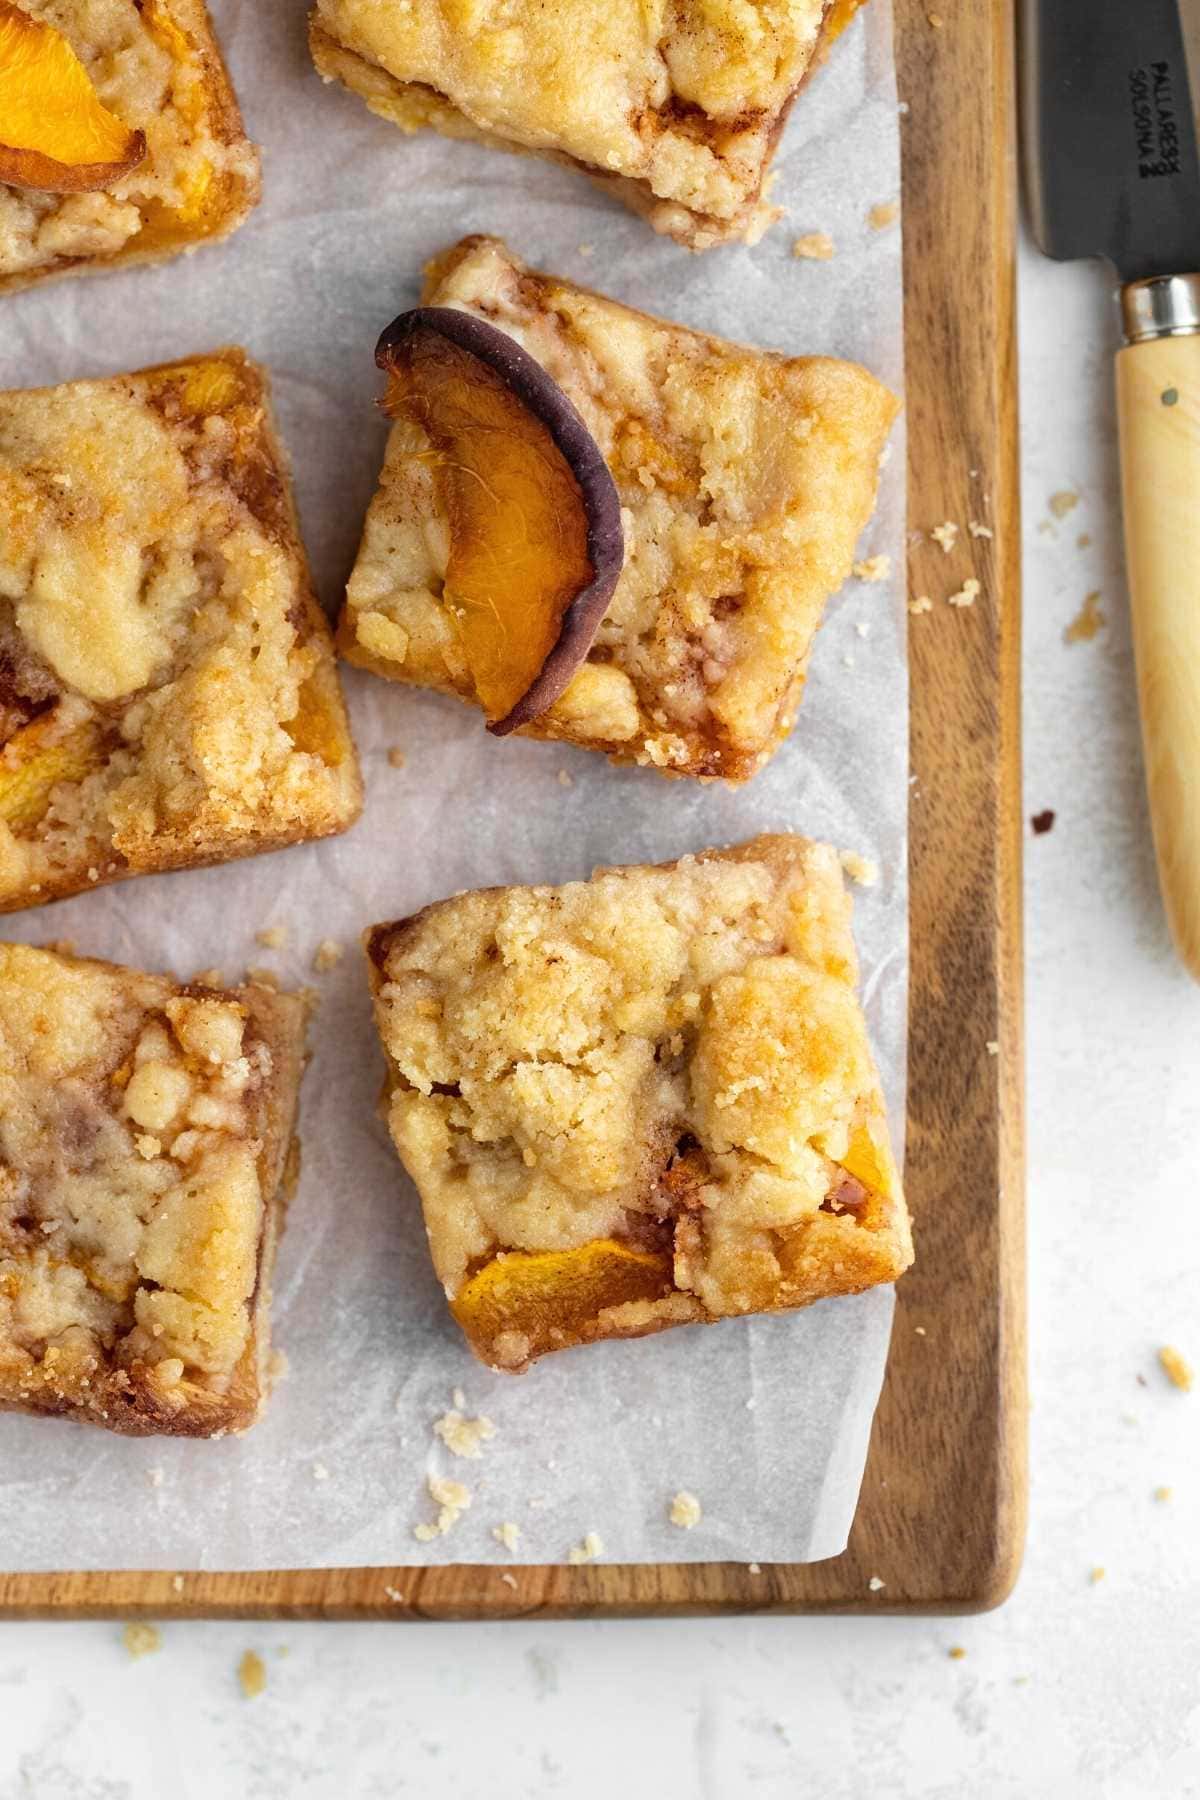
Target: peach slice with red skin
536 545
55 132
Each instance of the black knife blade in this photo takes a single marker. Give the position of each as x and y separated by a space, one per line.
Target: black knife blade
1109 133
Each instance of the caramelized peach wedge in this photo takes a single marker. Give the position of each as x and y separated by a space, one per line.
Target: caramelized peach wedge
639 1101
55 132
534 520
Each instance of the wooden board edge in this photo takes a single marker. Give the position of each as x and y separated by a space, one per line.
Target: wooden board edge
941 1521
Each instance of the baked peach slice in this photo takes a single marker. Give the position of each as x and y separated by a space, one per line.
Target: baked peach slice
536 545
55 132
548 1299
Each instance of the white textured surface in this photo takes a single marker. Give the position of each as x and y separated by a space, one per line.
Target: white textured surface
1072 1691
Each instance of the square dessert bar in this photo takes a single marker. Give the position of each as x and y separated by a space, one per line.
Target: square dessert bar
139 86
168 692
744 479
676 109
639 1100
146 1158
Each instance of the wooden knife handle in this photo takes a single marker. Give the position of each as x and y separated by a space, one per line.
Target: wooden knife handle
1158 410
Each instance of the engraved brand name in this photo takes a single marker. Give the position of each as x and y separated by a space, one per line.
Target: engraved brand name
1154 120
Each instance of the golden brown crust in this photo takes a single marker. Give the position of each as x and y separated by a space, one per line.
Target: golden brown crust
135 1266
721 153
211 417
231 195
745 478
640 1101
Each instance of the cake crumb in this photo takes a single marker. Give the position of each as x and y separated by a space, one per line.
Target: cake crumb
1162 1494
935 20
977 530
396 757
451 1499
860 869
394 1595
956 1653
251 1674
815 246
685 1510
1043 821
1096 1574
1063 502
1176 1367
993 1047
327 956
177 1584
320 1472
1083 540
508 1578
591 1547
458 1398
920 1330
148 1147
507 1534
1087 621
271 937
875 1584
141 1639
922 604
754 1568
156 1477
882 214
967 594
464 1437
587 249
564 779
260 977
872 568
945 535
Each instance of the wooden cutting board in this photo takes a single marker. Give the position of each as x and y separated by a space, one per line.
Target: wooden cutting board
941 1519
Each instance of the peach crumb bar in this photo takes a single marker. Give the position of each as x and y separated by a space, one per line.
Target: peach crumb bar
675 109
744 479
168 693
156 66
146 1156
641 1100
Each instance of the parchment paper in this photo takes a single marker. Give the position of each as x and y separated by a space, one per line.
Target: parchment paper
765 1420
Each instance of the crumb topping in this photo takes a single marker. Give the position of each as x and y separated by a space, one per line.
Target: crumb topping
684 101
745 479
666 1068
166 687
152 65
133 1119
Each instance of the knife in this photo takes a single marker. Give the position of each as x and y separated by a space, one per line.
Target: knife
1109 91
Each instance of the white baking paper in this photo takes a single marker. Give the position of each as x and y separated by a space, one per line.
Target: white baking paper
765 1420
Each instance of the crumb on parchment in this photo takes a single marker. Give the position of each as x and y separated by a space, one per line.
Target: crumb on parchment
508 1534
1162 1494
251 1674
882 214
328 955
1063 502
260 977
565 779
591 1547
1097 1573
956 1653
861 870
396 757
872 568
451 1499
464 1437
141 1639
814 246
1088 621
685 1510
1176 1367
271 937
